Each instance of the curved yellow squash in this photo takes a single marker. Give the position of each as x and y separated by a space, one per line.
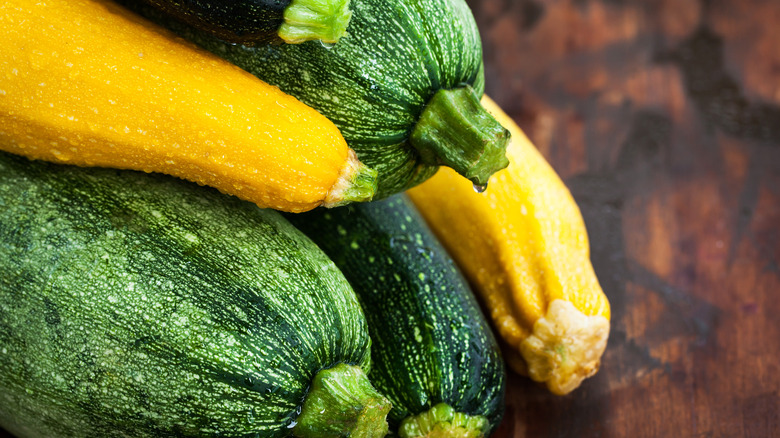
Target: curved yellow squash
87 83
523 245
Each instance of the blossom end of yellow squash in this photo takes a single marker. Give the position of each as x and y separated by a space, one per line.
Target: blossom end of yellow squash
565 347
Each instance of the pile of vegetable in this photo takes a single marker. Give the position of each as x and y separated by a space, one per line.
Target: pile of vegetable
150 287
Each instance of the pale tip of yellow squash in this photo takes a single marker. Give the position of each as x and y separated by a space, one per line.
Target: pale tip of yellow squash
565 347
356 183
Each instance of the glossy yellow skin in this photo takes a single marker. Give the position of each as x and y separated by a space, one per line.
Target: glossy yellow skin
87 83
524 246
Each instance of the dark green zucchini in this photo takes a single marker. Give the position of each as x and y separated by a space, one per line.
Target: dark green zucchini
403 86
262 21
138 305
434 355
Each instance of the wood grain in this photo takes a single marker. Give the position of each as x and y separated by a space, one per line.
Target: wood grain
663 118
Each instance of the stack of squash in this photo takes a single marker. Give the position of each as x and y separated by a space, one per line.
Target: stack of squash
135 303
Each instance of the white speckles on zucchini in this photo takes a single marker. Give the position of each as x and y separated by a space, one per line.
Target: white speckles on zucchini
430 344
141 305
376 81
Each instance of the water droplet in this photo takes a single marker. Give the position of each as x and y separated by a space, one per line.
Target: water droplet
480 188
327 46
425 252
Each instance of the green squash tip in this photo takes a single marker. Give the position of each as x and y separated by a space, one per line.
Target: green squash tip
441 421
342 403
454 130
357 183
307 20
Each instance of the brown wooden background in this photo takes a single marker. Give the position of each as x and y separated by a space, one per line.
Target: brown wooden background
663 117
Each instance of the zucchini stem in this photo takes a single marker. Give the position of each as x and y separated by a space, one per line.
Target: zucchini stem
454 130
306 20
441 421
341 402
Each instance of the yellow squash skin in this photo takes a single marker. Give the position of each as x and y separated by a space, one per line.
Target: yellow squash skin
85 82
523 245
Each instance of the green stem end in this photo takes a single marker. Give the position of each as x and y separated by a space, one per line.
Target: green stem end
454 130
357 183
441 421
342 403
306 20
363 187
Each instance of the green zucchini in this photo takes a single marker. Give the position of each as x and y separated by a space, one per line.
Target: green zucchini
138 305
434 355
403 87
262 21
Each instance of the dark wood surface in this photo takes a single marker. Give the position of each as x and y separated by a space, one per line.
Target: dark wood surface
663 117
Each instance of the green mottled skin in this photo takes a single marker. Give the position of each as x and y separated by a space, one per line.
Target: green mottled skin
144 304
375 82
431 342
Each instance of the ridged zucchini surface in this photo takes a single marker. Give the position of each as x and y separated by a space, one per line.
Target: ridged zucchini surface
376 82
431 342
139 305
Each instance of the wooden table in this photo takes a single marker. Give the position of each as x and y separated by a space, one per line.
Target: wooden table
663 117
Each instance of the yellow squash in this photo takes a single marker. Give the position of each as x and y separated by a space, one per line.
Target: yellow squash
523 245
87 83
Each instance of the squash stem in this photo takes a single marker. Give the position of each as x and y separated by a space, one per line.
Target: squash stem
357 183
441 421
341 402
306 20
454 130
